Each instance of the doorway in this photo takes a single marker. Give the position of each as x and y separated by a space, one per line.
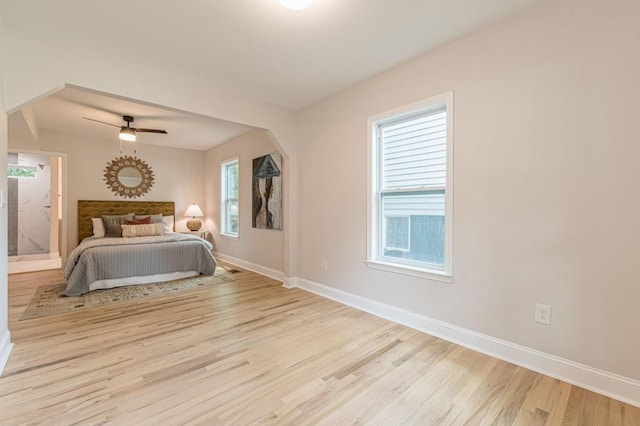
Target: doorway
34 195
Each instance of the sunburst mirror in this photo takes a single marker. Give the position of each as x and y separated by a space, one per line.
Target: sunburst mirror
129 177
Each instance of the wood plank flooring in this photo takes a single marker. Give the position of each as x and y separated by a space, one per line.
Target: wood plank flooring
252 352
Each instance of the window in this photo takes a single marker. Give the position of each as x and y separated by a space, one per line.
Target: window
396 233
410 163
229 194
15 171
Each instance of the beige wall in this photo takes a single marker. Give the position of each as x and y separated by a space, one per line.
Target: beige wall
546 204
261 247
178 174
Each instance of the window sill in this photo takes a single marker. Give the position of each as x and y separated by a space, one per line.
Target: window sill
230 236
429 274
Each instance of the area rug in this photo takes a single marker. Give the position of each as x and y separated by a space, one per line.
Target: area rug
47 300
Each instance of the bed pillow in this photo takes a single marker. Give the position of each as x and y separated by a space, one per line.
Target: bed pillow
167 221
155 218
98 227
112 224
137 221
146 230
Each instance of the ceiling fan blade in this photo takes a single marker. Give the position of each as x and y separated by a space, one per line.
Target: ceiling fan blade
103 122
151 131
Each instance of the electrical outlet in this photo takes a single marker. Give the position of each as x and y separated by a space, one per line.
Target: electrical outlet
324 264
543 314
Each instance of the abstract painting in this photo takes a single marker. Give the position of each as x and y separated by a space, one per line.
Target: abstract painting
267 192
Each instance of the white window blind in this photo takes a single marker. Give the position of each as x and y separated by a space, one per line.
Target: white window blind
414 151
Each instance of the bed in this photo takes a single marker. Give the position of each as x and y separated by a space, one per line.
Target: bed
107 262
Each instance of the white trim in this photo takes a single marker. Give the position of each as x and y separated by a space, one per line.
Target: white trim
429 274
603 382
374 229
263 270
5 349
290 282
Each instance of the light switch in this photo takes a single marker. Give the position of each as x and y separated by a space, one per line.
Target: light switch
3 202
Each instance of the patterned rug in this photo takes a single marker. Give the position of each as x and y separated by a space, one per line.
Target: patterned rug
47 300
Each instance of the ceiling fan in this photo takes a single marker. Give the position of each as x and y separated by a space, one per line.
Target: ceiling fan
128 133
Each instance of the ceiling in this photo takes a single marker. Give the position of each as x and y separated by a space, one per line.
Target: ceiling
64 111
256 48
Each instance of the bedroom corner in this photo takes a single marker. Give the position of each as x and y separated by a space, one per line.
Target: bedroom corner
258 249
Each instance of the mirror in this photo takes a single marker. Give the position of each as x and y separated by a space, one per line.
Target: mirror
129 177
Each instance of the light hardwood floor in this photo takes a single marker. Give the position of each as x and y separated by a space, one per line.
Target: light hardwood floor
252 352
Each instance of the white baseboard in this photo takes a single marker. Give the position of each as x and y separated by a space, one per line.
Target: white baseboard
5 349
263 270
290 282
603 382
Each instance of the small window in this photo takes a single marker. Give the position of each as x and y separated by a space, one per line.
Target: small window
15 171
410 163
229 194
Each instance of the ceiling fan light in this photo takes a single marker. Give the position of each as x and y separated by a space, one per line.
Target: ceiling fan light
127 134
295 4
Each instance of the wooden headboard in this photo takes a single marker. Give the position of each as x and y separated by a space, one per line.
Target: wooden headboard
91 208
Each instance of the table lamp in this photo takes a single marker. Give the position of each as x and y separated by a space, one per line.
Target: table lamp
194 211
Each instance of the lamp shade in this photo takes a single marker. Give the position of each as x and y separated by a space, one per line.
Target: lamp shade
194 210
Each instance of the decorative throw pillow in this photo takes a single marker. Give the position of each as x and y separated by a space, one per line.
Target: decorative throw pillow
155 218
168 224
138 221
112 224
146 230
98 227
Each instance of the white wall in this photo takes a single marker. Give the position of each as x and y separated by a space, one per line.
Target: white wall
5 339
178 174
260 247
546 204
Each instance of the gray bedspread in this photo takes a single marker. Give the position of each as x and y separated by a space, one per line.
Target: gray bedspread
111 258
